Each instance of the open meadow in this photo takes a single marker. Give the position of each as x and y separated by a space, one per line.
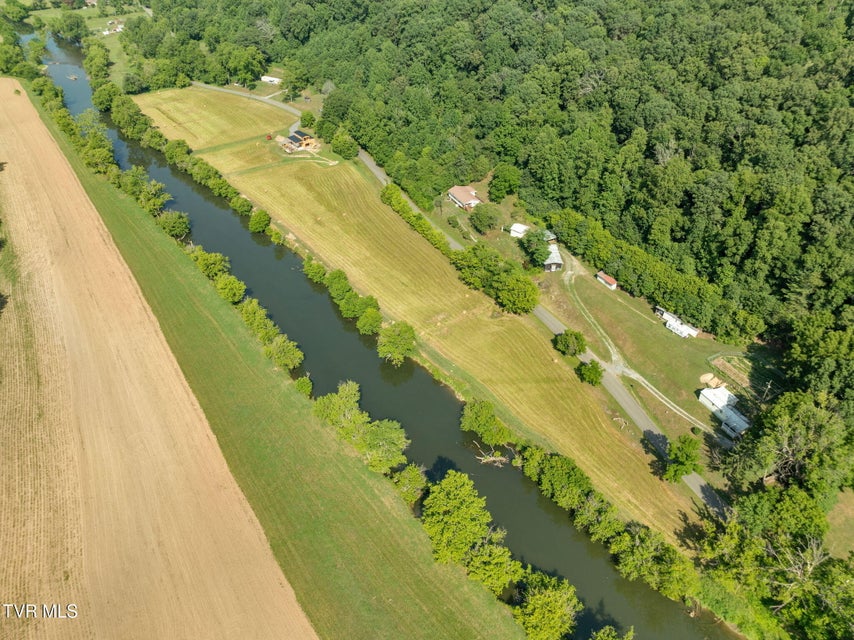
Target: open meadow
207 119
336 212
116 497
360 564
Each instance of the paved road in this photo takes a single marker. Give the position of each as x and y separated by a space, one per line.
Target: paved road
613 369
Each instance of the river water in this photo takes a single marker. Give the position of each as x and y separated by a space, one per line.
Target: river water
537 532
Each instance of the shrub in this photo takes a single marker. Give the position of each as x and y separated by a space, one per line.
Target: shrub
484 217
230 288
590 372
314 271
570 343
211 264
284 353
175 223
259 221
255 317
479 417
410 483
370 322
307 120
304 385
241 205
396 343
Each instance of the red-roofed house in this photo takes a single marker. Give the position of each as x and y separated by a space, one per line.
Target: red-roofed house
607 280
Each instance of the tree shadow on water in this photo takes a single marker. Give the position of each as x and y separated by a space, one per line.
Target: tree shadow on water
439 469
594 617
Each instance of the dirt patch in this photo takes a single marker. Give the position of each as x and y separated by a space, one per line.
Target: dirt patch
115 496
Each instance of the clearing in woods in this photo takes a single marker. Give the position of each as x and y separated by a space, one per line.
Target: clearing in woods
360 564
116 497
337 213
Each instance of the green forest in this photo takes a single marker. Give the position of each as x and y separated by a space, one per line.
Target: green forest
703 153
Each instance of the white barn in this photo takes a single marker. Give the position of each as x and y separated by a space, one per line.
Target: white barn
518 230
722 405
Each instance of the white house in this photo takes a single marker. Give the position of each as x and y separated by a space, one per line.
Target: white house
464 197
681 329
271 80
607 280
675 324
518 230
722 405
554 262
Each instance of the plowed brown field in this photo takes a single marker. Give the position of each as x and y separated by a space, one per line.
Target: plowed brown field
114 495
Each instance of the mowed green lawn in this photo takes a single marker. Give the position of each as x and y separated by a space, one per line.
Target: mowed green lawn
359 562
205 118
336 212
672 364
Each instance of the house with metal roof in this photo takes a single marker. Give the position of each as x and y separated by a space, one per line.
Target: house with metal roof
464 197
722 403
554 262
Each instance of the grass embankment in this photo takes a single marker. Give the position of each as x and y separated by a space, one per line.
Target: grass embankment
359 562
336 212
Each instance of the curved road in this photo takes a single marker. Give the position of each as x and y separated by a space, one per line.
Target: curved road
613 370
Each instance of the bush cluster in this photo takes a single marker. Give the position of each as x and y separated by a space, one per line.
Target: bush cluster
381 443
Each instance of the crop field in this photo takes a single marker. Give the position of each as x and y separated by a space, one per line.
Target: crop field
204 118
116 496
336 213
359 563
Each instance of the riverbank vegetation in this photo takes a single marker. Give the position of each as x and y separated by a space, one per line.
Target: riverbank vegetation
379 549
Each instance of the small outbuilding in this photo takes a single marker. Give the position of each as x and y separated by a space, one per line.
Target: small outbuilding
550 237
722 403
464 197
554 262
518 230
271 80
607 280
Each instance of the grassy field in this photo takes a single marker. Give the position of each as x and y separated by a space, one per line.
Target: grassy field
840 537
206 119
359 562
335 211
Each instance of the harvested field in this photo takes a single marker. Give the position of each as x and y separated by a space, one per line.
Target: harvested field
336 212
115 494
204 119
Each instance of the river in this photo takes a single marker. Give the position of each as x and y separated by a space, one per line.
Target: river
537 531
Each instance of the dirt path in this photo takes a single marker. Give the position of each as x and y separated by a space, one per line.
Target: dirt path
115 496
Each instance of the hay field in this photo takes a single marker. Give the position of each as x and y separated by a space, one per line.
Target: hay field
336 212
204 118
115 494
